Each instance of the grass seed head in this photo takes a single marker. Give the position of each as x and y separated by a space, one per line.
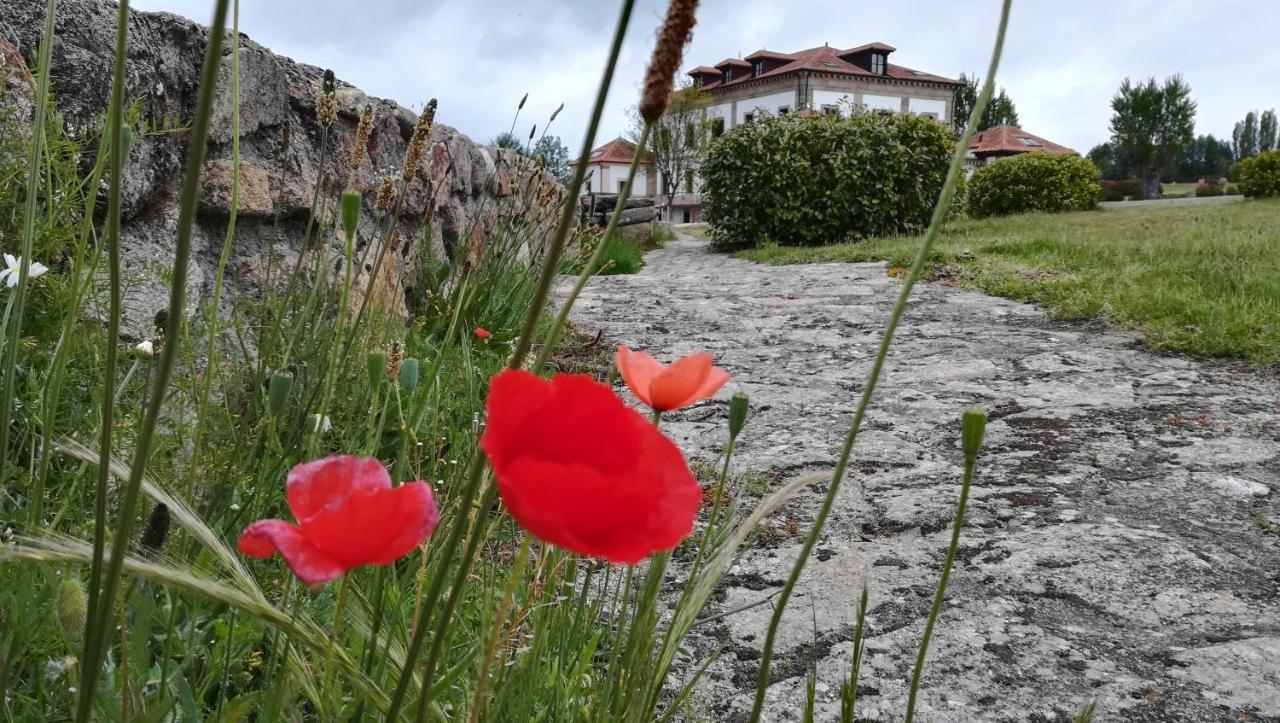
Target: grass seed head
667 56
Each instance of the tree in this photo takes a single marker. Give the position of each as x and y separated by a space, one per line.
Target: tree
507 139
555 154
1204 157
1000 111
677 140
1267 131
1110 165
1245 137
1150 124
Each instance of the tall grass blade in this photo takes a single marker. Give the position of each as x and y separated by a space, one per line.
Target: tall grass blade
873 378
92 668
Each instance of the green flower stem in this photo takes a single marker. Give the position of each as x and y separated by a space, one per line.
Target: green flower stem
551 265
658 680
92 663
99 605
213 315
589 269
935 226
18 294
969 464
477 466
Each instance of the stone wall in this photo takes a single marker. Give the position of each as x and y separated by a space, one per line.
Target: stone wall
460 189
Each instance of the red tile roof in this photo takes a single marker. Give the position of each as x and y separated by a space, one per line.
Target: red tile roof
618 150
1005 140
823 59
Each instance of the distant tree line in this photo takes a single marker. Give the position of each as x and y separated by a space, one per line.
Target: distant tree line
1152 137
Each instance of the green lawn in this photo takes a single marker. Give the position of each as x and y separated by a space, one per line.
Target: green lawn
1198 279
1177 190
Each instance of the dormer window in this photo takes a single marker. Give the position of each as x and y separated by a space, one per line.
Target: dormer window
757 69
726 76
878 63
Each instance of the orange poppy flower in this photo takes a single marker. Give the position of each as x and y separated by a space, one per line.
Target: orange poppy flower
664 388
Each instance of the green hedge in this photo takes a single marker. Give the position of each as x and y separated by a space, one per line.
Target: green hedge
1034 182
812 180
1260 175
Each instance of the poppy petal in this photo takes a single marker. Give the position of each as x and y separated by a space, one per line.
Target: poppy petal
513 396
716 378
326 483
266 537
638 370
579 420
676 385
374 527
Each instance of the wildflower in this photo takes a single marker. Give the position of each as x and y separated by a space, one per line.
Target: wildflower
348 515
363 131
482 333
579 469
386 191
665 388
11 274
145 349
418 143
320 423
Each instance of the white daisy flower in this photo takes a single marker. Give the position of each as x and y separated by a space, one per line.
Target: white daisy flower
12 271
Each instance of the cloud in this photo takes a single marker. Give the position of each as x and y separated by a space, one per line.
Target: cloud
1062 65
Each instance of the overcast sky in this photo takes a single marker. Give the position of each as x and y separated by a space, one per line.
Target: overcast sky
1062 65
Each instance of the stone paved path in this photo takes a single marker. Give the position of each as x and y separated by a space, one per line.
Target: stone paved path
1110 553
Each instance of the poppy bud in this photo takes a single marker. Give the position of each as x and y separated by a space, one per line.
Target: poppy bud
156 532
350 212
973 425
409 375
72 607
376 364
737 414
278 388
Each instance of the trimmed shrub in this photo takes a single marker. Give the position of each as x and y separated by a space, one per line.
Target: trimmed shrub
1232 190
812 180
1260 175
1208 190
1049 182
1130 190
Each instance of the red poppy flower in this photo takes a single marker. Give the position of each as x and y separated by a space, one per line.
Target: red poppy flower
348 515
482 333
580 469
665 388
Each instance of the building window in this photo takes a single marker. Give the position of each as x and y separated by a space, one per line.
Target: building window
830 110
783 109
621 185
688 181
717 127
757 69
749 117
883 111
690 136
726 75
931 116
877 63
